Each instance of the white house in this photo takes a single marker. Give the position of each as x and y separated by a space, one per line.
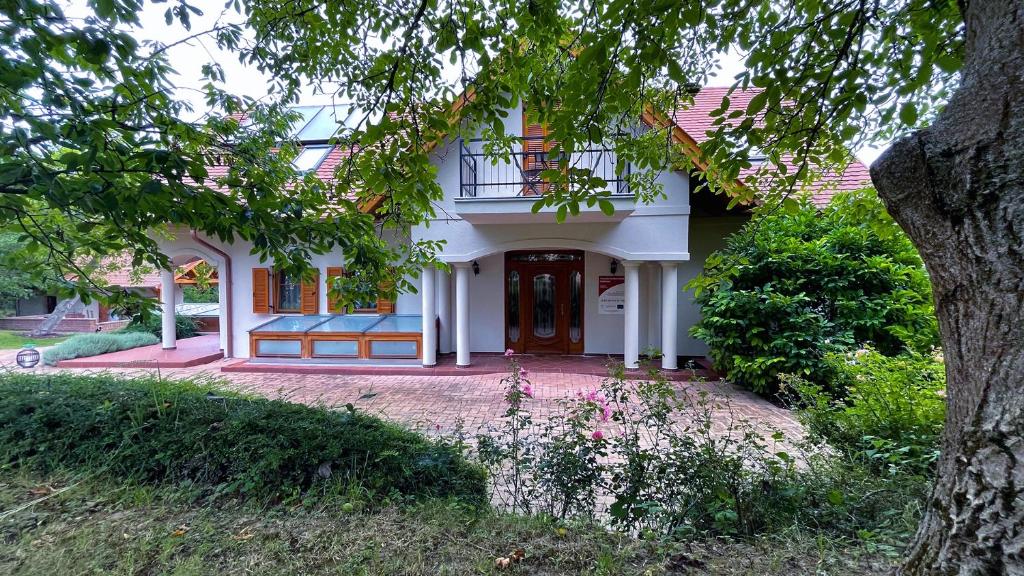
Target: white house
594 284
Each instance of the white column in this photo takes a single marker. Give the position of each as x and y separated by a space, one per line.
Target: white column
444 310
651 302
462 314
429 312
167 296
669 314
222 298
632 316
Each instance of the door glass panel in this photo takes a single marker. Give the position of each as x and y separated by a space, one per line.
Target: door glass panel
544 305
575 306
513 306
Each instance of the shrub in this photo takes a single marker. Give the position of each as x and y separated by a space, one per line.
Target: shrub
84 345
793 286
157 431
198 295
680 465
185 326
890 412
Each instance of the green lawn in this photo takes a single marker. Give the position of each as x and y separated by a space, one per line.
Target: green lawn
60 526
11 340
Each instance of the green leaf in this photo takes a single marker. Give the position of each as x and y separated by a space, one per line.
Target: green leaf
757 103
908 114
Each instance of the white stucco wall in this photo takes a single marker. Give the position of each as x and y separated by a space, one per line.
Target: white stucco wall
603 334
661 231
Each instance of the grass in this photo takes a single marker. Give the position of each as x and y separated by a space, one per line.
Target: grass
13 340
97 527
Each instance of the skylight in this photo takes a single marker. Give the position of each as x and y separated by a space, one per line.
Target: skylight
310 158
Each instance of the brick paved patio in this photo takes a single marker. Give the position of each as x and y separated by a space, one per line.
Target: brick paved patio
440 403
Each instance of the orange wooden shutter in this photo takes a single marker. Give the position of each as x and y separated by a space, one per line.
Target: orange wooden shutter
333 304
385 306
310 295
261 291
535 150
533 139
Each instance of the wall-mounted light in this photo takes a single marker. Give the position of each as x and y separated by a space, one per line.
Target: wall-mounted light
614 266
476 268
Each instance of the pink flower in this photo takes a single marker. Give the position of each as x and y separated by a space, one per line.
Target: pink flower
528 391
597 435
523 372
591 396
509 352
606 413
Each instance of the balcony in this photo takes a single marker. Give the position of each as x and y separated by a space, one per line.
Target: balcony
497 188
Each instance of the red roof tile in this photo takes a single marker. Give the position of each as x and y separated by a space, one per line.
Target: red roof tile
118 271
696 120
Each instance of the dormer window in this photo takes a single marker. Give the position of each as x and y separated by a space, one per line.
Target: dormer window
310 158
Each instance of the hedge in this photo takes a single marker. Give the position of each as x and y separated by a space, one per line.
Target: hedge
157 431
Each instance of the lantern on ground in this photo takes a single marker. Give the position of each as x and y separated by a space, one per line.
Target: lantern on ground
28 356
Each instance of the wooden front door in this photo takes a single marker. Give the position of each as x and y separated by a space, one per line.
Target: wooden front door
544 302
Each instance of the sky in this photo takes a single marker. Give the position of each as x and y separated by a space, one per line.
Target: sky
188 58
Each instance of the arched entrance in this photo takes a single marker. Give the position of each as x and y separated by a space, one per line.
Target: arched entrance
212 317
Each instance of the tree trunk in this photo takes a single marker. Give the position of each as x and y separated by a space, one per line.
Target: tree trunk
52 320
957 188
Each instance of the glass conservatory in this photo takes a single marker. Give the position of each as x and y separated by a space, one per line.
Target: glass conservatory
351 336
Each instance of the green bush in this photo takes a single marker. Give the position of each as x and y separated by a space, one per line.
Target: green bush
185 326
793 286
890 410
84 345
197 295
152 430
681 465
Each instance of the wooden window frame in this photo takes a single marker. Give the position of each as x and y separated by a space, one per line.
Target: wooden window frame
275 295
381 306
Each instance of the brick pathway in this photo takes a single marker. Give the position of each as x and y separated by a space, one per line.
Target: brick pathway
440 403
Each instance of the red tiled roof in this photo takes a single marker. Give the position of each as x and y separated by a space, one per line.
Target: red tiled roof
696 120
118 271
127 278
334 158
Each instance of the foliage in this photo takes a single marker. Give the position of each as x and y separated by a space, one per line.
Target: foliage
830 74
154 431
197 295
16 279
99 156
680 464
185 326
71 86
11 340
93 344
793 286
890 412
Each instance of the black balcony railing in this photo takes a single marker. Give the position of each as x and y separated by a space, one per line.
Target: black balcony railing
521 173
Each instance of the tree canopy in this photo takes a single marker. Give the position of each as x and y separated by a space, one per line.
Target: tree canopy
98 153
93 129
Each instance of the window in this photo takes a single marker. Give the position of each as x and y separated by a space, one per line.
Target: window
288 293
310 157
575 306
513 306
544 305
